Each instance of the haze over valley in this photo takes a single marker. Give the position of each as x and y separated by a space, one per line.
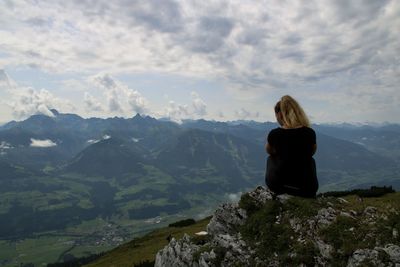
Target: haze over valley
119 117
91 184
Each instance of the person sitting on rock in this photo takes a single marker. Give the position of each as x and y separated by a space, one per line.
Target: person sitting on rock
291 168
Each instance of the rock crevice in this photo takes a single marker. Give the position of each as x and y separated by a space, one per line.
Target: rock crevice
318 232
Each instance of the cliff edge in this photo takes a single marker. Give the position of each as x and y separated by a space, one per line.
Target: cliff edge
263 230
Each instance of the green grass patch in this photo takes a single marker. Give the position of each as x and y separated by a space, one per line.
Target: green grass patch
346 235
262 231
302 207
41 250
145 248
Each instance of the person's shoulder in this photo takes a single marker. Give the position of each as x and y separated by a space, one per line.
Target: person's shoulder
273 134
276 130
309 131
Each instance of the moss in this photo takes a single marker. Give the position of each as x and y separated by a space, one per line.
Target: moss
346 235
248 204
367 263
383 256
262 231
301 207
374 191
384 229
305 253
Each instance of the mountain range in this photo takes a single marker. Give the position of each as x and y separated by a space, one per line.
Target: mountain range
64 171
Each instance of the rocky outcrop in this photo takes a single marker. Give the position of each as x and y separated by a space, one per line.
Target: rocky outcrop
318 233
223 238
379 256
177 253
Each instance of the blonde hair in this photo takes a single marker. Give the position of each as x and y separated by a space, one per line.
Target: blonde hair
293 115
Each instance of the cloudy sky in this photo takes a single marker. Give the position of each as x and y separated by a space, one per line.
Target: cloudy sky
221 60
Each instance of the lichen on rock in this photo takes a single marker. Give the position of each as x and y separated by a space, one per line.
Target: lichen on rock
266 230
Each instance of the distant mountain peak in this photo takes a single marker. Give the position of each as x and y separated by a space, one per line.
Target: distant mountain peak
143 118
137 117
55 112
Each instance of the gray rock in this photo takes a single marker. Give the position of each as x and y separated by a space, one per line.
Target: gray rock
394 252
370 210
177 253
295 223
325 249
226 244
283 198
346 214
226 219
326 216
361 255
206 258
353 213
236 249
395 233
261 194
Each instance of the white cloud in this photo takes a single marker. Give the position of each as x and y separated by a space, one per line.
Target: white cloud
245 114
28 101
42 143
94 141
176 112
256 48
136 102
92 104
199 107
257 42
120 98
220 114
5 81
5 145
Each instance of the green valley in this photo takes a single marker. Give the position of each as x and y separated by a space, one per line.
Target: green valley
107 181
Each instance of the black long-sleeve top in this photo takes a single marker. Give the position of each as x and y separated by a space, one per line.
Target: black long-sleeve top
291 168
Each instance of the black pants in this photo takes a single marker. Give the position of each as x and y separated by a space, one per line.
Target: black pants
281 178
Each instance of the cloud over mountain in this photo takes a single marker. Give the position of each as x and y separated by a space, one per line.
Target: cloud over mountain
42 143
92 104
119 97
199 106
28 101
5 83
245 114
177 112
321 51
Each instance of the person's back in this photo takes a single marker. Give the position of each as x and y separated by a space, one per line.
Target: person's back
290 166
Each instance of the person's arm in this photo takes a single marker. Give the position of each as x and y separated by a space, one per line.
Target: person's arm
314 149
271 139
269 149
